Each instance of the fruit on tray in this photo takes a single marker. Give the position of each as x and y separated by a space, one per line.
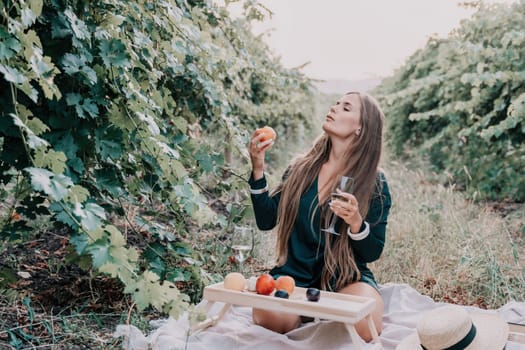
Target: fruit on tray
269 133
281 293
286 283
234 281
313 294
265 284
250 283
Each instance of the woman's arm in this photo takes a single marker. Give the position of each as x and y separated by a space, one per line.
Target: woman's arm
264 206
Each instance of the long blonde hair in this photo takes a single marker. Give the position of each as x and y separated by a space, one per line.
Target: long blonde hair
362 161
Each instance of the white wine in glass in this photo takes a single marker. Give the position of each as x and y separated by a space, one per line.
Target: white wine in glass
242 243
241 252
346 184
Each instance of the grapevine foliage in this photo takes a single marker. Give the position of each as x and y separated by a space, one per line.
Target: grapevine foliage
461 102
107 103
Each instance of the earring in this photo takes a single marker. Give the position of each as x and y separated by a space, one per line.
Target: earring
358 131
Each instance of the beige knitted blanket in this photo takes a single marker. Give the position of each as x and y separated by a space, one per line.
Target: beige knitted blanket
403 307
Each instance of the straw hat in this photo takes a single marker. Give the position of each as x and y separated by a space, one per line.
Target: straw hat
452 327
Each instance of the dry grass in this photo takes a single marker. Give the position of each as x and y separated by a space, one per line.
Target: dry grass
444 245
450 248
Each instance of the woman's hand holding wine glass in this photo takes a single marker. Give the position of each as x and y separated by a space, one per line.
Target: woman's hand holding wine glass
344 205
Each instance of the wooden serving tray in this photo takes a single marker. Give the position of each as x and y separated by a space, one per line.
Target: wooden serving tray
345 308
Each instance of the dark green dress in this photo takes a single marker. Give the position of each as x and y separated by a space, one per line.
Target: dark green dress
306 246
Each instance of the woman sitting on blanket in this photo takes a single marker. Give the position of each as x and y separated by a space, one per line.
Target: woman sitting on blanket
300 207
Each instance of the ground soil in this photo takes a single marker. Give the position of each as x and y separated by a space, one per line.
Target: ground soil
41 294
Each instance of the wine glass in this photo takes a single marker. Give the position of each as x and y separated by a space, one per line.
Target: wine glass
346 184
242 243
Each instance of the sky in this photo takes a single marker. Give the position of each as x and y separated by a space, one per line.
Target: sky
355 39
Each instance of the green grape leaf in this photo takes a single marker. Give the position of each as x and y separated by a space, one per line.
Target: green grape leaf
105 144
113 53
177 275
72 64
59 27
9 46
66 143
162 294
28 89
108 181
150 122
117 117
35 142
44 68
90 74
97 234
90 107
73 99
26 120
77 194
110 268
148 291
177 169
28 17
32 46
36 6
83 106
62 215
36 125
48 158
113 19
124 257
180 123
204 215
91 215
157 265
80 242
76 164
139 289
115 236
205 159
99 252
79 28
55 186
12 75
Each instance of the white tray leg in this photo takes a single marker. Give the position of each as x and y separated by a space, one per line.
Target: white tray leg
206 308
373 331
356 339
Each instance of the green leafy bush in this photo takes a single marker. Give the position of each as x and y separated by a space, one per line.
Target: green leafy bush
460 101
111 103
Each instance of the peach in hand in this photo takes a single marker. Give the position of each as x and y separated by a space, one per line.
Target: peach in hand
268 133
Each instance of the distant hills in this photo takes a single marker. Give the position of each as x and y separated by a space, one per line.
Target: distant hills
342 86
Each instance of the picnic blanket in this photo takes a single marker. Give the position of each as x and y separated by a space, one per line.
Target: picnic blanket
403 307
